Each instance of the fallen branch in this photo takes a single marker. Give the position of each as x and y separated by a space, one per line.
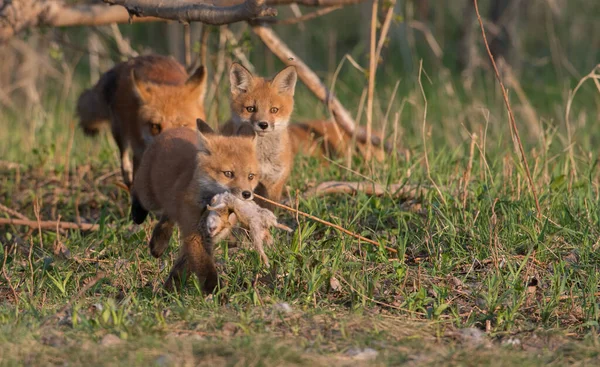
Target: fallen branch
12 212
510 113
350 233
312 81
369 188
44 224
207 12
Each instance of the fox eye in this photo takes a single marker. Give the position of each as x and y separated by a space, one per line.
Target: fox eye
155 129
274 109
228 174
251 109
251 176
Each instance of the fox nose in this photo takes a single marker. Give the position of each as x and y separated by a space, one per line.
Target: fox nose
263 125
246 194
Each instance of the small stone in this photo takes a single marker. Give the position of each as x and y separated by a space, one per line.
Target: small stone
513 342
282 307
362 354
334 284
472 336
229 329
162 360
110 340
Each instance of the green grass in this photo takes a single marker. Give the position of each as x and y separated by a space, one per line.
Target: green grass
475 257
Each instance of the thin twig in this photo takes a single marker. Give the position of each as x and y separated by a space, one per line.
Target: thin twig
42 224
372 71
309 16
355 235
510 113
384 30
77 296
12 212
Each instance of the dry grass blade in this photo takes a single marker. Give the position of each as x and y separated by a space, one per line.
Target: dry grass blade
350 233
510 113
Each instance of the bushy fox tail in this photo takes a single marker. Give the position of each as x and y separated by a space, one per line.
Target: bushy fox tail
93 105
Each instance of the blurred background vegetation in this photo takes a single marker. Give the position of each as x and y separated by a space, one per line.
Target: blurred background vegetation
544 47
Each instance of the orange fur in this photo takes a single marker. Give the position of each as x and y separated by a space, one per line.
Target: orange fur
265 106
142 97
179 174
324 138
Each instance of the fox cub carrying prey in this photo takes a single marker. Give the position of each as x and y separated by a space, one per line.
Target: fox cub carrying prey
179 174
142 97
265 105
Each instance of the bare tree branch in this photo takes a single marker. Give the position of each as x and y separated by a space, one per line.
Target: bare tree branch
17 15
206 12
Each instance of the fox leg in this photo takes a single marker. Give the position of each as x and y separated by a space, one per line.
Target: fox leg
161 235
124 149
138 213
196 257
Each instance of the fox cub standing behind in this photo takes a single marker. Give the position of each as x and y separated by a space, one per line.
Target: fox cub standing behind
179 174
265 105
142 97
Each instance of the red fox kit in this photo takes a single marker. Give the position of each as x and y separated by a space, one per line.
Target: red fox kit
142 97
324 138
265 105
179 174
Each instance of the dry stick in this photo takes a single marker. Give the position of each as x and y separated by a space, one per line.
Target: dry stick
355 235
309 16
236 49
372 70
44 224
187 40
8 280
384 30
12 212
77 296
510 113
204 44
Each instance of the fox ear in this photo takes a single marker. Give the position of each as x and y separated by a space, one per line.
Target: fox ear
196 83
285 81
239 78
203 144
203 127
139 88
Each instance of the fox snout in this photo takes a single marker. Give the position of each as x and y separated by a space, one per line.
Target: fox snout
243 194
262 126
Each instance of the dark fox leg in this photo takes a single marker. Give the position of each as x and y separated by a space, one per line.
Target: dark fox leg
160 236
195 258
138 213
